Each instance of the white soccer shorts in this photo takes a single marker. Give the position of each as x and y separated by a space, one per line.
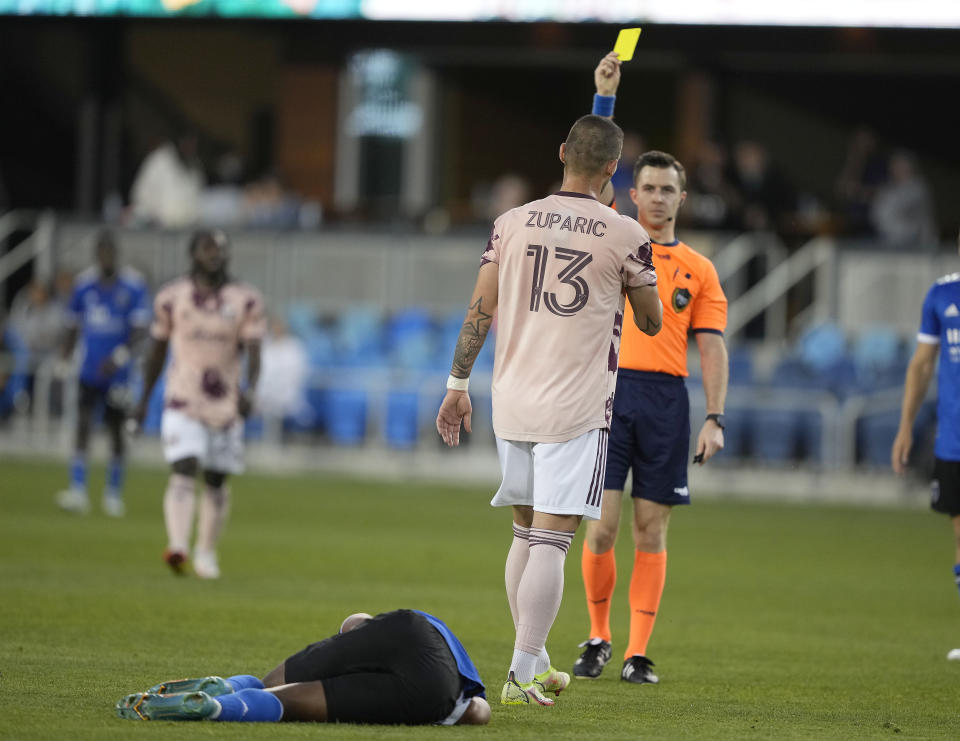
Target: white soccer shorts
216 449
554 478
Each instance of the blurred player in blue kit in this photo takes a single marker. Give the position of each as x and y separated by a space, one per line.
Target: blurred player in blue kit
939 336
108 313
401 667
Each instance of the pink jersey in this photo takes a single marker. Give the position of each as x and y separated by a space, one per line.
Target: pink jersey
564 262
206 335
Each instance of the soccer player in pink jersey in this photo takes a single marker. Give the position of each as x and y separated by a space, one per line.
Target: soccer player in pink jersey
557 270
208 321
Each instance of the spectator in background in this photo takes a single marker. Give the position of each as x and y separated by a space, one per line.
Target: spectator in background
712 200
284 374
767 198
508 191
38 318
902 211
864 171
167 188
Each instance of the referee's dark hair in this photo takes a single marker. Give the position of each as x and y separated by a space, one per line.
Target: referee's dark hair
661 160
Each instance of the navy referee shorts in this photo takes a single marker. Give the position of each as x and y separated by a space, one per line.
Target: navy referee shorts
650 433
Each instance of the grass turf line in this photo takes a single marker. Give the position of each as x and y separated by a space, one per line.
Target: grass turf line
777 621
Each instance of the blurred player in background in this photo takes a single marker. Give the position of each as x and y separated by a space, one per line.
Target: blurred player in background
108 312
400 667
557 268
939 336
650 432
208 321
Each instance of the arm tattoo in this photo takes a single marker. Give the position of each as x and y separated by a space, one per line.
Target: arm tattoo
652 326
472 334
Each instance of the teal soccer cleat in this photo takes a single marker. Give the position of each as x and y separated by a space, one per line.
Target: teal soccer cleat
213 686
187 706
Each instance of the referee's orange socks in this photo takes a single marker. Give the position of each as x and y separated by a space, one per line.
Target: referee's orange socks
646 588
599 579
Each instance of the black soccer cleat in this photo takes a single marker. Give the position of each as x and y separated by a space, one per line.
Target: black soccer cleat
593 659
637 669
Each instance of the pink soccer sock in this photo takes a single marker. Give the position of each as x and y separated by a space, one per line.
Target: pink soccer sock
214 508
538 598
516 562
178 506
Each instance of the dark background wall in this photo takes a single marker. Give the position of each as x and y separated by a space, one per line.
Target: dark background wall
507 92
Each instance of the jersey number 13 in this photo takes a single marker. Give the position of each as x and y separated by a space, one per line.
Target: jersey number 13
569 275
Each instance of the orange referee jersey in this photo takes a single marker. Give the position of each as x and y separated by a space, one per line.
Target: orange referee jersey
693 301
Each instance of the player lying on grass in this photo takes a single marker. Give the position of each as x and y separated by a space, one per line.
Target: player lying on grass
400 667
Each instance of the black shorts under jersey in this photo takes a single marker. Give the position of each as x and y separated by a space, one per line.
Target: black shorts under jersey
90 396
945 487
393 669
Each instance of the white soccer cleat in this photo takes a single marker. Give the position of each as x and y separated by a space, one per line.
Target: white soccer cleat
73 500
205 565
113 506
953 654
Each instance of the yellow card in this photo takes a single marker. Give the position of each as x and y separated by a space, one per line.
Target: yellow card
626 43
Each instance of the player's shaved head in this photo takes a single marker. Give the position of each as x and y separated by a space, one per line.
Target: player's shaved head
593 141
354 621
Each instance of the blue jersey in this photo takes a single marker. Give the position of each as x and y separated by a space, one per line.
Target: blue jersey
106 313
472 685
941 325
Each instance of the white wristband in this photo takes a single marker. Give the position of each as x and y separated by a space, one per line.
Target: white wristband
458 384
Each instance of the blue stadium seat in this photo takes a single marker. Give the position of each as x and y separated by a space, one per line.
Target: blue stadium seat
774 434
875 434
302 319
402 424
879 358
822 346
253 428
741 366
411 339
151 423
359 337
810 433
346 416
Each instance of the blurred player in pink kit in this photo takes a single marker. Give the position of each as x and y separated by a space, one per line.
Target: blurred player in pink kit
557 271
207 320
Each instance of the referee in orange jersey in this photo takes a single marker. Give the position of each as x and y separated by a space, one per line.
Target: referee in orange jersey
650 431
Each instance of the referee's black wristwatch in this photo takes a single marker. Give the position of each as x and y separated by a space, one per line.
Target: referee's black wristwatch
718 420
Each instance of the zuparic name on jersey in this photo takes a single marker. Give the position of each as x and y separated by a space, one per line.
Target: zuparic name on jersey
581 224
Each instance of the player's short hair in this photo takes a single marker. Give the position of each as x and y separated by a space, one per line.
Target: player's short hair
592 142
215 235
662 160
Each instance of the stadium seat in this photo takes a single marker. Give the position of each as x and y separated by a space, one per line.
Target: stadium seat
875 434
151 423
359 337
302 319
16 385
411 339
879 359
810 434
346 416
741 366
774 434
401 429
822 346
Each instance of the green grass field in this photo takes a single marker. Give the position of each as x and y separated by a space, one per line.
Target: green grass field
777 621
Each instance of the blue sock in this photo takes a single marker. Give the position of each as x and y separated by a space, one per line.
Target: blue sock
956 574
115 471
245 682
250 706
78 472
